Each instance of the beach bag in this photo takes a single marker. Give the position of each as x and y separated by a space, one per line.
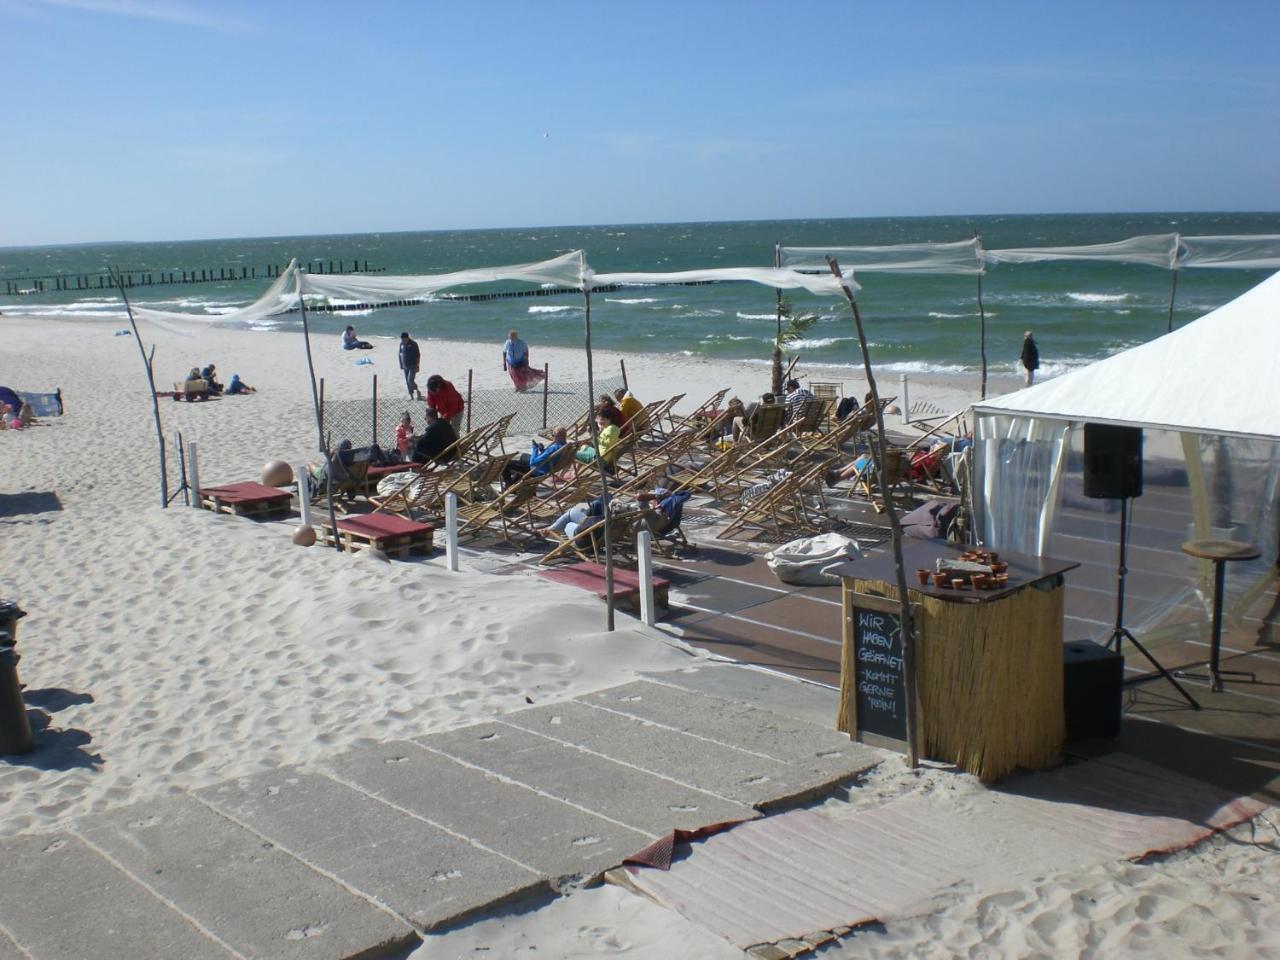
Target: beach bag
801 562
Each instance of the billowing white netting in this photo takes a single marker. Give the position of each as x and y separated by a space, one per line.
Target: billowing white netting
781 279
962 258
1158 250
1241 253
563 271
279 298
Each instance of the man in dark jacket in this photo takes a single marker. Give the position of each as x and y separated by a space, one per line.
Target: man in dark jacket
410 357
1030 358
438 437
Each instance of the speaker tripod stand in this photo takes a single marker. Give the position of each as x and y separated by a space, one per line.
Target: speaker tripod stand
1120 632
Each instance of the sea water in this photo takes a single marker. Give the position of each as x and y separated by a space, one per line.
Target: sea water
1079 312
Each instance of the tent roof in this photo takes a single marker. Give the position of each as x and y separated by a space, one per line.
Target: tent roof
1219 374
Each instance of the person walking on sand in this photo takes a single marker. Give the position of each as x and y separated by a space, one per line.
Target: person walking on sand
515 360
1030 357
410 357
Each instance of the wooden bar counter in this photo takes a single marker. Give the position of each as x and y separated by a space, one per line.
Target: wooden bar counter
988 663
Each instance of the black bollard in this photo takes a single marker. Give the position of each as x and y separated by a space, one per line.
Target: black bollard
15 728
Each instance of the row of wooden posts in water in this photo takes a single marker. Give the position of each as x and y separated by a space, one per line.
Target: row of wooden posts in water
151 278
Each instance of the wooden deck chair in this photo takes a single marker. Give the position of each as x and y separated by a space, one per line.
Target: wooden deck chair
670 453
655 413
587 543
663 519
827 388
491 436
868 480
422 495
505 513
705 411
812 415
350 479
766 421
778 508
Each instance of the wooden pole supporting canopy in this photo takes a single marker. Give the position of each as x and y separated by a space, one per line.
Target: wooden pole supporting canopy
895 528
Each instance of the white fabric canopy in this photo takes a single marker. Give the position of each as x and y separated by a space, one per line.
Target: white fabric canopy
824 284
962 258
1217 375
1239 253
1159 250
566 270
280 297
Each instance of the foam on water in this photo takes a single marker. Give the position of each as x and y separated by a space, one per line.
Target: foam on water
631 300
559 309
1099 297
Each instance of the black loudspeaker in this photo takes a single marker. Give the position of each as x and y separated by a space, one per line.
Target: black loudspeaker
1093 684
1112 461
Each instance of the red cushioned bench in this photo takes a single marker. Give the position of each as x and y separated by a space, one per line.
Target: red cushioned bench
248 499
626 583
393 535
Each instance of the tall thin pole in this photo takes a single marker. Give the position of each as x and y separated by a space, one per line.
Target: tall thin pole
319 410
775 379
895 529
1173 292
604 477
151 381
982 327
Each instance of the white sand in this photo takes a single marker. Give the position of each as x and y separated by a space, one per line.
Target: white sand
173 649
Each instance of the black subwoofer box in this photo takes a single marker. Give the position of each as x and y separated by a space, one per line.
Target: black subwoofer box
1093 684
1112 461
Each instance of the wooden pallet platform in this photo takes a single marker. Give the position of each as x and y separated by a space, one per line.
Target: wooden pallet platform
393 535
626 583
248 499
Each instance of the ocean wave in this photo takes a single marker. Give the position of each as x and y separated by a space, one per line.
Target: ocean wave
631 300
1099 297
756 316
692 314
558 309
815 343
948 316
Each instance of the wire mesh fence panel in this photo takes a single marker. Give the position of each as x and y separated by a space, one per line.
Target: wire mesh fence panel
535 410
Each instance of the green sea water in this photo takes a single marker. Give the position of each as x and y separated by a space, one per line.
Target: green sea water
919 323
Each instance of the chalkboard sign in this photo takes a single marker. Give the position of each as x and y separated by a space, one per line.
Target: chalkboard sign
881 692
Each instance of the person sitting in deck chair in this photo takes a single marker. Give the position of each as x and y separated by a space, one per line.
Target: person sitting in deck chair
609 437
341 460
796 397
539 461
745 424
628 406
574 520
438 437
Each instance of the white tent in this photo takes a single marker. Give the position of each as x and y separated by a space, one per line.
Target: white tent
1167 383
1208 399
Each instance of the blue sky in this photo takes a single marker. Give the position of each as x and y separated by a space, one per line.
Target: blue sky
178 119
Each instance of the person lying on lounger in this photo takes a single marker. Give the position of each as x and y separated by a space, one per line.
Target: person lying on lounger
341 461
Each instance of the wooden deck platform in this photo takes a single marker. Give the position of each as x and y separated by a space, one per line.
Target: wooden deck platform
248 499
626 583
391 534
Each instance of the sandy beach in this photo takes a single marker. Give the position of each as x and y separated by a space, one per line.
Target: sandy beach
170 649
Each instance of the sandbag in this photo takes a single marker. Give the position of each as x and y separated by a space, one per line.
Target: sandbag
801 561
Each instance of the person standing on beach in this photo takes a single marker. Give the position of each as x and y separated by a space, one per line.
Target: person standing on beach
1030 357
515 360
410 357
